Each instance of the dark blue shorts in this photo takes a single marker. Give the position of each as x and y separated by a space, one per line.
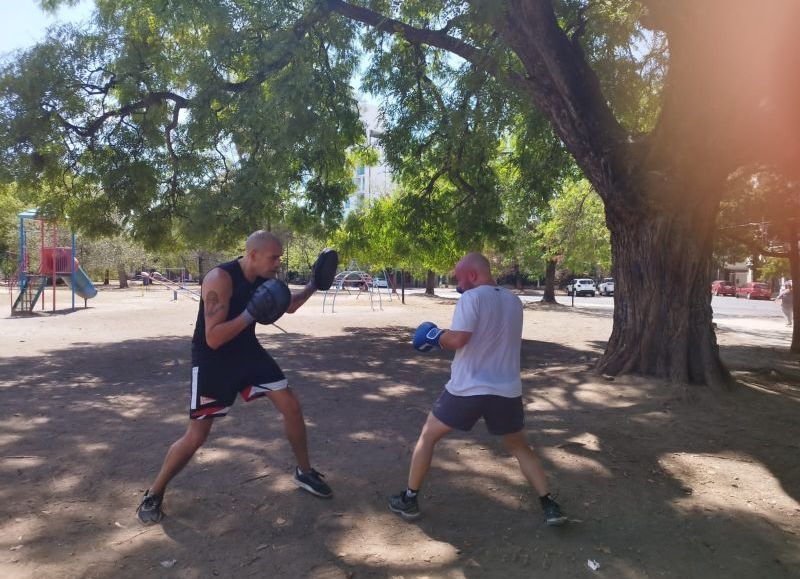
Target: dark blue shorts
502 415
216 382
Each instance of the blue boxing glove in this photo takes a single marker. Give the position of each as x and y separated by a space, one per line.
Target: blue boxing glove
427 337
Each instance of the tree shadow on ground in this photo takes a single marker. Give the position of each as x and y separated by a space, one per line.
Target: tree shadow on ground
88 427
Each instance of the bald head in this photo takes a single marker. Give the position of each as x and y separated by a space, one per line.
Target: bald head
261 239
473 270
477 262
262 255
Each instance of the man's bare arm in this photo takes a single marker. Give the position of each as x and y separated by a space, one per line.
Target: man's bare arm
217 290
301 297
454 339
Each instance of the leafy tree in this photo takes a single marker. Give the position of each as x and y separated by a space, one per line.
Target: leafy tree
195 111
575 230
118 254
762 214
532 169
387 233
10 206
217 111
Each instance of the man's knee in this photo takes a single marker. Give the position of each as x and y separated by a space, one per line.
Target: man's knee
517 442
433 430
196 435
288 404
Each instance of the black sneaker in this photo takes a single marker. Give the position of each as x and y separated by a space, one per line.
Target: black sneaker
552 512
313 483
406 507
149 510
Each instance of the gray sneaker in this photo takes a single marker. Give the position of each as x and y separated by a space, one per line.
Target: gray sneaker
149 510
406 507
313 483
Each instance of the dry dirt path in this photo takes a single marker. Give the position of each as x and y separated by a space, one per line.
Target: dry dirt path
658 480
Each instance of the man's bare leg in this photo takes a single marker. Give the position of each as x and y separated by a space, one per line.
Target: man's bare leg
529 462
432 432
532 468
178 455
181 452
294 424
295 427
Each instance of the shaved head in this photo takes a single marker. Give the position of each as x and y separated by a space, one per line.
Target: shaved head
476 262
261 239
473 270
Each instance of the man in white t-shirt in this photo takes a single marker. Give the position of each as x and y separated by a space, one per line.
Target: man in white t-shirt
486 334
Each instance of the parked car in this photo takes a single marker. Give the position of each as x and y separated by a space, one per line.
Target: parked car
380 282
582 287
754 291
607 287
722 287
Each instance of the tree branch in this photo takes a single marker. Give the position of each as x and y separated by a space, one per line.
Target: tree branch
436 38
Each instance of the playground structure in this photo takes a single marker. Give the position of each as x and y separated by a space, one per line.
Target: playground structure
354 279
44 256
175 287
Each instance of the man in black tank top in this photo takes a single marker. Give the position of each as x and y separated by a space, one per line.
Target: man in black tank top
227 360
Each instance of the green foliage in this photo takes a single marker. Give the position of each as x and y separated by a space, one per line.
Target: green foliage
385 234
218 118
199 121
759 215
575 231
630 62
775 268
10 206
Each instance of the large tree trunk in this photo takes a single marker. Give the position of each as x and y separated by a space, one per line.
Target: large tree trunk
550 282
662 302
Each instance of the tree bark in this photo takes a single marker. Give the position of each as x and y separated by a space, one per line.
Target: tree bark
794 268
123 277
429 282
550 282
662 303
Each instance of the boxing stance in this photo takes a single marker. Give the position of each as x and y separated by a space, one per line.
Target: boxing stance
227 359
486 334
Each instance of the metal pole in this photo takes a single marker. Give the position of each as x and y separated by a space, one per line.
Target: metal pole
403 286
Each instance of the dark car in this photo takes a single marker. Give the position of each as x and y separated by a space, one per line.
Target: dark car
754 291
721 287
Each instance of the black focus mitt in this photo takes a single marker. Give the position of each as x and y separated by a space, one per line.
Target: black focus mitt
324 269
269 302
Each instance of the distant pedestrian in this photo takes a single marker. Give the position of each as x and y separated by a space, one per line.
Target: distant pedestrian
785 298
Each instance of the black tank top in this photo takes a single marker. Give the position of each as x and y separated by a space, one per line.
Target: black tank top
246 340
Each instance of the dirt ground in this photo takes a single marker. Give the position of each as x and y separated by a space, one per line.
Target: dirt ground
657 480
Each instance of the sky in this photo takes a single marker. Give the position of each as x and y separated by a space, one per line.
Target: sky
24 23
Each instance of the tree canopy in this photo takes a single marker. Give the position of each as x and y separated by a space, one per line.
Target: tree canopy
224 116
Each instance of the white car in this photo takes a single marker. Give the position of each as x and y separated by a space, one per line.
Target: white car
607 287
582 287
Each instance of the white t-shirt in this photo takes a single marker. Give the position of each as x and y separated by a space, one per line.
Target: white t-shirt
489 362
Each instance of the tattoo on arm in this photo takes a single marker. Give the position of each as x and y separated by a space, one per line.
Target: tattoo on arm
212 304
